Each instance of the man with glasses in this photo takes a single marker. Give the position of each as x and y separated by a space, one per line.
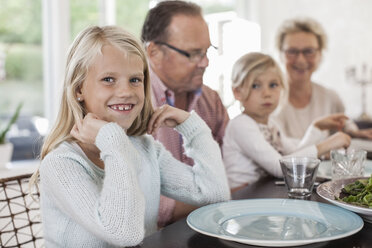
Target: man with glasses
177 40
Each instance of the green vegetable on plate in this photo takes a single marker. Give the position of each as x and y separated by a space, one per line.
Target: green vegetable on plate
358 193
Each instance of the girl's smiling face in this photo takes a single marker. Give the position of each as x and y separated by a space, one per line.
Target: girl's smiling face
114 86
264 95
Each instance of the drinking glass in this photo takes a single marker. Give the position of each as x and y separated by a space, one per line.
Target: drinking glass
299 174
347 163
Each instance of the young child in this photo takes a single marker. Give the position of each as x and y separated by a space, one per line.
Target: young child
253 144
100 175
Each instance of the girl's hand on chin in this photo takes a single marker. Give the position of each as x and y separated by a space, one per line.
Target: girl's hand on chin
166 116
86 130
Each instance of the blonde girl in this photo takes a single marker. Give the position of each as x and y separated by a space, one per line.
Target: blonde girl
101 176
253 143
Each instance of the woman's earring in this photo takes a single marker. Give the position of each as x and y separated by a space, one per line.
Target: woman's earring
79 99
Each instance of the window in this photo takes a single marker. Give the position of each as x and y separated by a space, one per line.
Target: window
21 77
130 14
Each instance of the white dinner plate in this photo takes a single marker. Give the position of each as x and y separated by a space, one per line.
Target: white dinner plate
274 222
329 190
325 169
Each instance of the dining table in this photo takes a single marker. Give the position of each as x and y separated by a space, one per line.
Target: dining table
180 235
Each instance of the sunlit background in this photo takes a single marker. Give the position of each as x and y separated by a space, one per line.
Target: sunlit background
35 35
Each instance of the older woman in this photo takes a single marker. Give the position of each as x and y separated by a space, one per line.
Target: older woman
301 43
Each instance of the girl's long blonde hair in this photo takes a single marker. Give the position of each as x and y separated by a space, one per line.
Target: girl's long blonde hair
86 46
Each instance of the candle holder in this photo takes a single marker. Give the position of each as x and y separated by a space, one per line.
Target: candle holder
362 80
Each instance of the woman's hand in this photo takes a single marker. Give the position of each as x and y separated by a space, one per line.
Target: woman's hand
166 116
331 122
362 133
86 131
335 141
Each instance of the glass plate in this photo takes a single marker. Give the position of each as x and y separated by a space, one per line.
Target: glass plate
329 190
274 222
325 169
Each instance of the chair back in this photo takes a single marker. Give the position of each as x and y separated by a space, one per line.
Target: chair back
20 221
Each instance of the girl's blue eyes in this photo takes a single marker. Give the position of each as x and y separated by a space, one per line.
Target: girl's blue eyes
132 80
108 79
274 85
135 80
271 85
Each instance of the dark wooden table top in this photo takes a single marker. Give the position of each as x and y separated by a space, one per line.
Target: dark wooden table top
180 235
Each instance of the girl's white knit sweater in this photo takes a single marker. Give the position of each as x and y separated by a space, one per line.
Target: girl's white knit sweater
85 206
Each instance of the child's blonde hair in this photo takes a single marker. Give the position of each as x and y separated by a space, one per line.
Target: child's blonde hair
248 67
86 46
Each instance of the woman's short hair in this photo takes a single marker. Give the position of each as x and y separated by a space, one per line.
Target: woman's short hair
296 25
158 19
86 46
248 67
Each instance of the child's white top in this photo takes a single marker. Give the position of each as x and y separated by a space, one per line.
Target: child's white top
248 156
85 206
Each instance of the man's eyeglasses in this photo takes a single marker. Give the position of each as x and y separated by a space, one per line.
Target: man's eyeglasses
194 57
308 53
